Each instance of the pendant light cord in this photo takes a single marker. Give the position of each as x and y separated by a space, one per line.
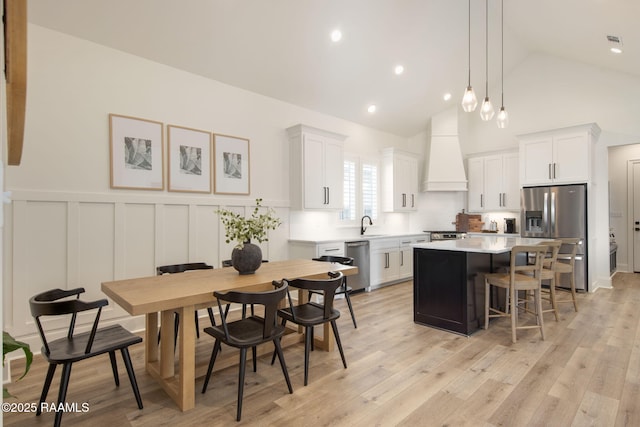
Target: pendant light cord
486 48
469 45
502 46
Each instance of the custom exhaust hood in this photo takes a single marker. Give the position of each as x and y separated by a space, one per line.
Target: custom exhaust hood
445 168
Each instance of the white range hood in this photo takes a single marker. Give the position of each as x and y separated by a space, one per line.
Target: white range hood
445 168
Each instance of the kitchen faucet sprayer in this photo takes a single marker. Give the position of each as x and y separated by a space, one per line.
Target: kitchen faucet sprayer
362 227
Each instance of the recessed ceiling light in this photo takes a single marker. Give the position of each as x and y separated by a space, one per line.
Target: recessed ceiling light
615 44
371 109
399 69
447 96
336 36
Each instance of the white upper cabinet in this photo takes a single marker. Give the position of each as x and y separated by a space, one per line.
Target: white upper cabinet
317 168
562 156
400 180
493 182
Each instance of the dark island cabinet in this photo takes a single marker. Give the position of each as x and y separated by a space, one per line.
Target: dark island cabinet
448 288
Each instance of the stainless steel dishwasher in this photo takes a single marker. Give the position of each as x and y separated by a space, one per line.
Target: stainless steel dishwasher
359 251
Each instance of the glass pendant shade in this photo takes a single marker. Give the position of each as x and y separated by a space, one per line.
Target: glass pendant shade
503 118
469 100
486 111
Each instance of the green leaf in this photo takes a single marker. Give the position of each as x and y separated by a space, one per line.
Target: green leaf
10 344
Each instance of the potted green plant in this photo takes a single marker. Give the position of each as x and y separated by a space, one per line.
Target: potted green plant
9 344
246 256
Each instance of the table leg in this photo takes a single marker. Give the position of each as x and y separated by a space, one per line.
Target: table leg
167 356
151 338
187 342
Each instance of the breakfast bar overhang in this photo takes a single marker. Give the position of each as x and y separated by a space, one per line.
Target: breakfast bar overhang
448 279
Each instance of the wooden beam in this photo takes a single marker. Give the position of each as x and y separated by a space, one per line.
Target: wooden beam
15 23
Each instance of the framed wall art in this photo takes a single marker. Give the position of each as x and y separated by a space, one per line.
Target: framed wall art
189 159
231 165
136 153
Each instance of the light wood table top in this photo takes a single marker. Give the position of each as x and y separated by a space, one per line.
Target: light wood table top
186 292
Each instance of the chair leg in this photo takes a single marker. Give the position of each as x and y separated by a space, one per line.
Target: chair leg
243 362
573 291
278 349
334 326
114 367
254 355
513 314
353 316
538 296
197 324
313 341
211 316
62 394
273 356
308 340
552 297
132 375
47 384
176 325
487 291
214 353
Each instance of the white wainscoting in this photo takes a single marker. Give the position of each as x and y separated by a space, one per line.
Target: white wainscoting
69 240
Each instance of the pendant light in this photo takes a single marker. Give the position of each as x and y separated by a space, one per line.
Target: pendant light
486 111
503 117
469 100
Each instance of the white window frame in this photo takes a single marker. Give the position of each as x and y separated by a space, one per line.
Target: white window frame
359 162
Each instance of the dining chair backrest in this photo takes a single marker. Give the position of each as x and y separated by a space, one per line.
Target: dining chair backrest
344 260
327 287
48 304
538 252
181 268
553 248
268 299
569 250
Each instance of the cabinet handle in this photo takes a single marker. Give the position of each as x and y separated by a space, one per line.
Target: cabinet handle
413 200
328 195
404 200
549 170
332 250
554 171
386 260
482 200
401 258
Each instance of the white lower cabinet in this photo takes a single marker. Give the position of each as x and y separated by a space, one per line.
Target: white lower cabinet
385 265
308 250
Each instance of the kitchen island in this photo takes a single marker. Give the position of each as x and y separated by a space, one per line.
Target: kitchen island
448 279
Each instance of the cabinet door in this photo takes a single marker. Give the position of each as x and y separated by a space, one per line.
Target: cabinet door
510 182
412 185
385 264
401 179
405 269
315 193
571 158
493 183
536 161
334 174
475 194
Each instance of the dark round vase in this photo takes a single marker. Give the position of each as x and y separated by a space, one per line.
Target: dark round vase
248 259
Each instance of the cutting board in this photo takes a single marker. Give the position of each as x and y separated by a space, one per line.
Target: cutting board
466 223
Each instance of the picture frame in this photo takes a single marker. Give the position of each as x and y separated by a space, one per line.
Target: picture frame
189 154
136 153
231 165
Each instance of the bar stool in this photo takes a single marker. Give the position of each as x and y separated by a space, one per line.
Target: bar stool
519 278
549 273
566 265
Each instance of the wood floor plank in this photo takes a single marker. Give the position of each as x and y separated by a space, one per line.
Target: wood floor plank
586 372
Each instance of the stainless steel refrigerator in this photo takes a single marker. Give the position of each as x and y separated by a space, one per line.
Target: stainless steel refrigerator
556 212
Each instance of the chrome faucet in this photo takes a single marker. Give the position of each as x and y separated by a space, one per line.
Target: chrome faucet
362 228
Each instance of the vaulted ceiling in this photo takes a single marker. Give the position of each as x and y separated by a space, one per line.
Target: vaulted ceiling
282 48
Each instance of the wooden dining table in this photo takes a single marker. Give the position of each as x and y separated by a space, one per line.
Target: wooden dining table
183 293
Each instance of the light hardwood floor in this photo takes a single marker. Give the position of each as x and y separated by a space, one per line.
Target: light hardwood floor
587 372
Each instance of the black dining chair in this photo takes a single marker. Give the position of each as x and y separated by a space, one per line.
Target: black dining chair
75 347
248 332
344 289
311 314
181 268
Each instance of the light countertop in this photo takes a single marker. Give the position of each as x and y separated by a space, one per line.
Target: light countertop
480 244
358 238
